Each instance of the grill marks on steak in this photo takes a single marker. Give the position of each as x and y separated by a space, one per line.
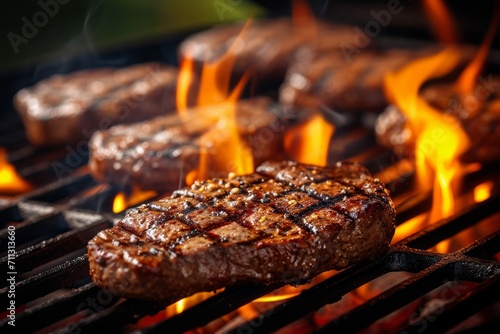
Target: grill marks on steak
157 154
285 223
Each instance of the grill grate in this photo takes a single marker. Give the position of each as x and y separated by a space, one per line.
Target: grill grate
55 222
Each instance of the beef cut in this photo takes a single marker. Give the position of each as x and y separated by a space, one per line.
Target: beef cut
344 83
286 222
63 109
158 153
266 47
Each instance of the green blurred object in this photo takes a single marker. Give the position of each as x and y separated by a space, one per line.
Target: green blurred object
66 27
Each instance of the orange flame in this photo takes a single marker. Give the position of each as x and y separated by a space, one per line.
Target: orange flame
185 303
439 139
409 227
441 20
120 202
483 191
467 80
123 201
10 181
270 299
221 147
184 81
308 143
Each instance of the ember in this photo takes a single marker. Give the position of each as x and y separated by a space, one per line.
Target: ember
10 181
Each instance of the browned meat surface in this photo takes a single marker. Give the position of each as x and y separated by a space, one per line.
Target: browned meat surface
479 115
265 47
157 154
287 222
66 108
332 80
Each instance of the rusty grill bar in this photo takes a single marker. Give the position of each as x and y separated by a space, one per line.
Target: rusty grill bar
55 222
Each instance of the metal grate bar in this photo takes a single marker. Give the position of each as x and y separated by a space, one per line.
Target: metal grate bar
51 280
434 233
386 303
34 256
462 307
9 214
54 192
116 316
487 327
451 268
56 309
215 307
484 248
40 229
329 291
412 207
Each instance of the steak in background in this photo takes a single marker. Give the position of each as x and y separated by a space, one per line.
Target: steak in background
287 222
478 114
158 153
63 109
329 79
266 48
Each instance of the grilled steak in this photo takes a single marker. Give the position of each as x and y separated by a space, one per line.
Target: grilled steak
287 222
266 47
478 114
157 154
332 80
66 108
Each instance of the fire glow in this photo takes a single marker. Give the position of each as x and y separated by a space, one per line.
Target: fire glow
221 146
308 143
10 181
440 139
136 196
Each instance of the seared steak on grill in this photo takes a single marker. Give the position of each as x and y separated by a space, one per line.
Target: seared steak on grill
265 47
66 108
157 154
331 79
287 222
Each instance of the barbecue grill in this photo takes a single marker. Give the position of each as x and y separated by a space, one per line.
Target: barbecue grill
54 222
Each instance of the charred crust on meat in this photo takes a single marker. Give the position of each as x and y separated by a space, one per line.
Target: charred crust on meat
297 218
